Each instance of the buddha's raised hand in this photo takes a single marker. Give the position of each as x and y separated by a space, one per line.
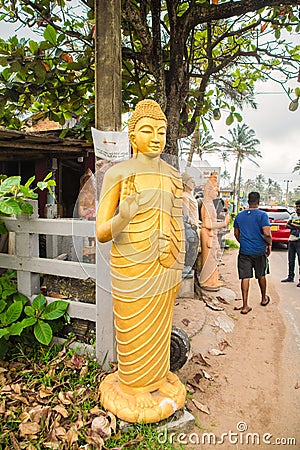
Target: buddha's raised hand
129 207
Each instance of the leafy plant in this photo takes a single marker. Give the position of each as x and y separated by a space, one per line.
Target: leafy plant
17 316
41 313
14 195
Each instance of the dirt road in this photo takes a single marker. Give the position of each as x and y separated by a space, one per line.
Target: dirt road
254 397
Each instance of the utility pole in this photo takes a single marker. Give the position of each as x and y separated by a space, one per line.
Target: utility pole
287 191
108 117
108 69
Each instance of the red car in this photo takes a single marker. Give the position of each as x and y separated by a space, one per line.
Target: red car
278 216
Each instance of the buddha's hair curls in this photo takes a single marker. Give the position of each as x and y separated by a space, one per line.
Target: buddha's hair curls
145 108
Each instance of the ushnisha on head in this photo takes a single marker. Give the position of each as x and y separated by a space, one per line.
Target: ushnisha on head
188 182
145 109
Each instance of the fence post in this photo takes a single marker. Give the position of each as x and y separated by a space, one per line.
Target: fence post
105 332
27 245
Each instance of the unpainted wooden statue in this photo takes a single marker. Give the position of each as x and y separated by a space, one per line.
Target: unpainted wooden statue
210 247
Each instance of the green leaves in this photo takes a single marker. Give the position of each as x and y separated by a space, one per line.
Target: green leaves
55 310
13 195
50 34
17 317
39 302
10 206
43 332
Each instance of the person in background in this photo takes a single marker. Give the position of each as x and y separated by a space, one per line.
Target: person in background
293 244
252 231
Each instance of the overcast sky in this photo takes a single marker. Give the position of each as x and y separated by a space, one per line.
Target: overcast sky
277 128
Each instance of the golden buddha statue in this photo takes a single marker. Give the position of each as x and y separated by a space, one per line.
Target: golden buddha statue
140 210
210 247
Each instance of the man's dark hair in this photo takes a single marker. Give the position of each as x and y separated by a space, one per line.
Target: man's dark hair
297 202
253 197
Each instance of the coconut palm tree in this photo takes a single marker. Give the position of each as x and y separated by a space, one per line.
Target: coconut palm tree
260 182
225 177
297 167
201 142
242 144
224 156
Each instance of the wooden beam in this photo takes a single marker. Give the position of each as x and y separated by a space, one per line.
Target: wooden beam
108 80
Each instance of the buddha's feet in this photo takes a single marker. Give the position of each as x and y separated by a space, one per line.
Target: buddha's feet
142 406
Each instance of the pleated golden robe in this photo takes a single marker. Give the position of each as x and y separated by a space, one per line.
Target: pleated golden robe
147 258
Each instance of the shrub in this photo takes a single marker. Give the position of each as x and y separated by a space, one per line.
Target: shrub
13 195
18 317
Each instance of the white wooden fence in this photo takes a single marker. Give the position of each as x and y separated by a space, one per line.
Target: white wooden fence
29 266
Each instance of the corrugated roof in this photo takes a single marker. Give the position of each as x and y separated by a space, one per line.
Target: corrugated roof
19 145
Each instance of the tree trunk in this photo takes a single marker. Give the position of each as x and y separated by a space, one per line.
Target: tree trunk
234 182
192 149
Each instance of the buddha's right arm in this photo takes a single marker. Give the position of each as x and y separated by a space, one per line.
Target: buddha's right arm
106 231
108 203
109 225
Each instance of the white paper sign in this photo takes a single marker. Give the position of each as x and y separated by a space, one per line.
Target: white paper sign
111 145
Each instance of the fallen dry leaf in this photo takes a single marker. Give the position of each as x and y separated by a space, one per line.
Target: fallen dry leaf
199 359
45 392
39 413
76 362
14 441
222 300
66 397
223 344
61 410
24 417
83 371
56 295
60 432
96 410
5 389
195 385
101 425
185 322
190 388
201 406
95 439
29 428
16 388
215 352
207 375
2 407
71 437
113 421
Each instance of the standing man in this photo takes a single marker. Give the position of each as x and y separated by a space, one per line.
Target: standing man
294 243
252 231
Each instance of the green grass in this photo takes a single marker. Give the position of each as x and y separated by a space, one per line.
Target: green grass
64 385
231 244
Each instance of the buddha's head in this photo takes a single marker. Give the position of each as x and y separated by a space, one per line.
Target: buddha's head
147 128
188 182
210 192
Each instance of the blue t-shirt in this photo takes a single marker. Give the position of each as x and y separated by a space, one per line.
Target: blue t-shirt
250 223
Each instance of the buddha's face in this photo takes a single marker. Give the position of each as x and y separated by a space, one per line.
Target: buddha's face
149 136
